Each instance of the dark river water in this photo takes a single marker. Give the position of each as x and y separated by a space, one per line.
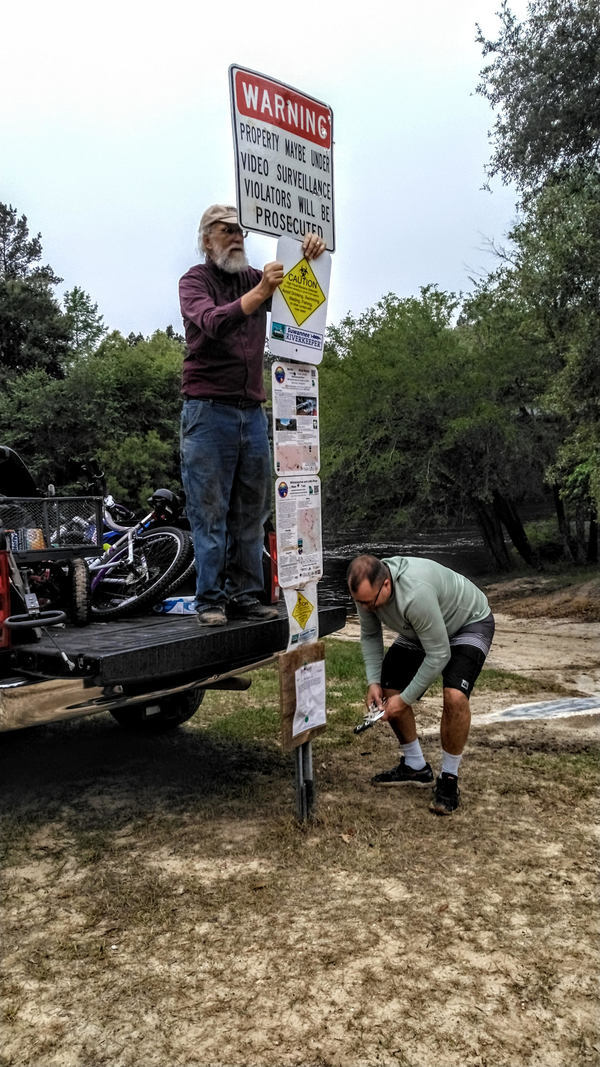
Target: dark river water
463 550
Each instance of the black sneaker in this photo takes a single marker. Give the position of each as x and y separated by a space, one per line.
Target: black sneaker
446 795
251 608
404 775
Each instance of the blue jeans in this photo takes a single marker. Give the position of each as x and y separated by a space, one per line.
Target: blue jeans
226 473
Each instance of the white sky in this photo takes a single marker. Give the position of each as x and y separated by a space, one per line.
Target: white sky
115 134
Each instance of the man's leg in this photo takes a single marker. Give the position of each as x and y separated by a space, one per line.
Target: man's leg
459 676
208 461
400 665
456 721
249 507
403 724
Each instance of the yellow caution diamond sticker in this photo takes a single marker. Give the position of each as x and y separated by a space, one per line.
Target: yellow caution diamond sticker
301 291
303 610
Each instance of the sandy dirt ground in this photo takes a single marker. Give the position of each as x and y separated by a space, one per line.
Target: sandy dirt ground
162 907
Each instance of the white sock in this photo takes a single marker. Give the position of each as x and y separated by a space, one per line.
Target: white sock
450 763
413 756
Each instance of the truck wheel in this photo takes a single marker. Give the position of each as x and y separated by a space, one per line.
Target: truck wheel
79 607
162 715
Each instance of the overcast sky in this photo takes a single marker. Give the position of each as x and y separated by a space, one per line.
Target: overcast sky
115 134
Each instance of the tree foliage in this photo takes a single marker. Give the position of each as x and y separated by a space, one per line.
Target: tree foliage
85 322
121 405
19 252
424 426
543 81
33 330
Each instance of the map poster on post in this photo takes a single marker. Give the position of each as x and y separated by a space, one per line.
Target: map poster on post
303 614
299 304
298 524
295 418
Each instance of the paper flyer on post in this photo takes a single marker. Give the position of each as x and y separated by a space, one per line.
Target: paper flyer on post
298 524
295 418
310 697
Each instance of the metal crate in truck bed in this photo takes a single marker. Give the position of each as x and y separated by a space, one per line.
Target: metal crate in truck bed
52 527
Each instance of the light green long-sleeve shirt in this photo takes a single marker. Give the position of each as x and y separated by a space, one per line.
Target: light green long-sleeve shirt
430 603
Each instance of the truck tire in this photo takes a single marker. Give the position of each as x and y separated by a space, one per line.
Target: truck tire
79 603
162 715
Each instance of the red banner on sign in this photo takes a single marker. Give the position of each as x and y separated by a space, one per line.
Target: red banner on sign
271 102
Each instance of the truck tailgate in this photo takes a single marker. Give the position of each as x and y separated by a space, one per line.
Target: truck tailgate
140 649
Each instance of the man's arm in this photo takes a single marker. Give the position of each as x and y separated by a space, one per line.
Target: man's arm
272 276
426 619
198 306
312 246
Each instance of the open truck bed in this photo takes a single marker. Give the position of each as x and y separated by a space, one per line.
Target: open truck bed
140 668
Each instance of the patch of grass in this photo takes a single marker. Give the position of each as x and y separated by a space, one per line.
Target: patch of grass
93 846
563 767
495 681
344 660
256 717
14 839
256 714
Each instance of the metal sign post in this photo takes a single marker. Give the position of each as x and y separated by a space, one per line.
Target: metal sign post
283 142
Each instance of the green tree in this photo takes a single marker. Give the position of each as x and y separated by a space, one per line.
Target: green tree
33 330
422 426
543 81
121 405
85 322
19 252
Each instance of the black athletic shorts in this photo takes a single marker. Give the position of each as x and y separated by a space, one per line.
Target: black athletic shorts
468 650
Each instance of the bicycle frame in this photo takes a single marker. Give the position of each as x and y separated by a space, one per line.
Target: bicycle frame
101 567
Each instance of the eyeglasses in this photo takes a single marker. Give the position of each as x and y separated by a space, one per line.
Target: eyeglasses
228 228
371 604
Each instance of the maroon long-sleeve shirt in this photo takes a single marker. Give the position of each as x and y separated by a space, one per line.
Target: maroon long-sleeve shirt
225 347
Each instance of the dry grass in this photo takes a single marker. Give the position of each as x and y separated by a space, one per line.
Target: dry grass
163 907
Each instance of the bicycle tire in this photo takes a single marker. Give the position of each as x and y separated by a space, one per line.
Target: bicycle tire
125 587
189 569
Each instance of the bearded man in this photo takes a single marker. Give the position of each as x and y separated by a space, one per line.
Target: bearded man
225 455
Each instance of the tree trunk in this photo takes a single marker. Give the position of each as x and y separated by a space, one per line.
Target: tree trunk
592 545
581 543
563 525
491 531
507 513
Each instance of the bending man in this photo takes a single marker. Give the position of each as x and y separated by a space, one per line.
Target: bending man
444 626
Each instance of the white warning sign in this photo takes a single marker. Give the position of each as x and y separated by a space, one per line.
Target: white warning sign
283 142
299 304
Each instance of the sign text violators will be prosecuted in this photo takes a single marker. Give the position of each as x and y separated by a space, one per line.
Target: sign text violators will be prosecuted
283 143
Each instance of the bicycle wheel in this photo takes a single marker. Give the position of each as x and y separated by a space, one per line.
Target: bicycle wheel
121 586
188 574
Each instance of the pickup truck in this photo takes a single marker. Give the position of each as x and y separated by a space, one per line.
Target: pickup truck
150 672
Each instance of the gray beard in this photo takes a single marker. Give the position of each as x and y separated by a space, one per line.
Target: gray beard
230 262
